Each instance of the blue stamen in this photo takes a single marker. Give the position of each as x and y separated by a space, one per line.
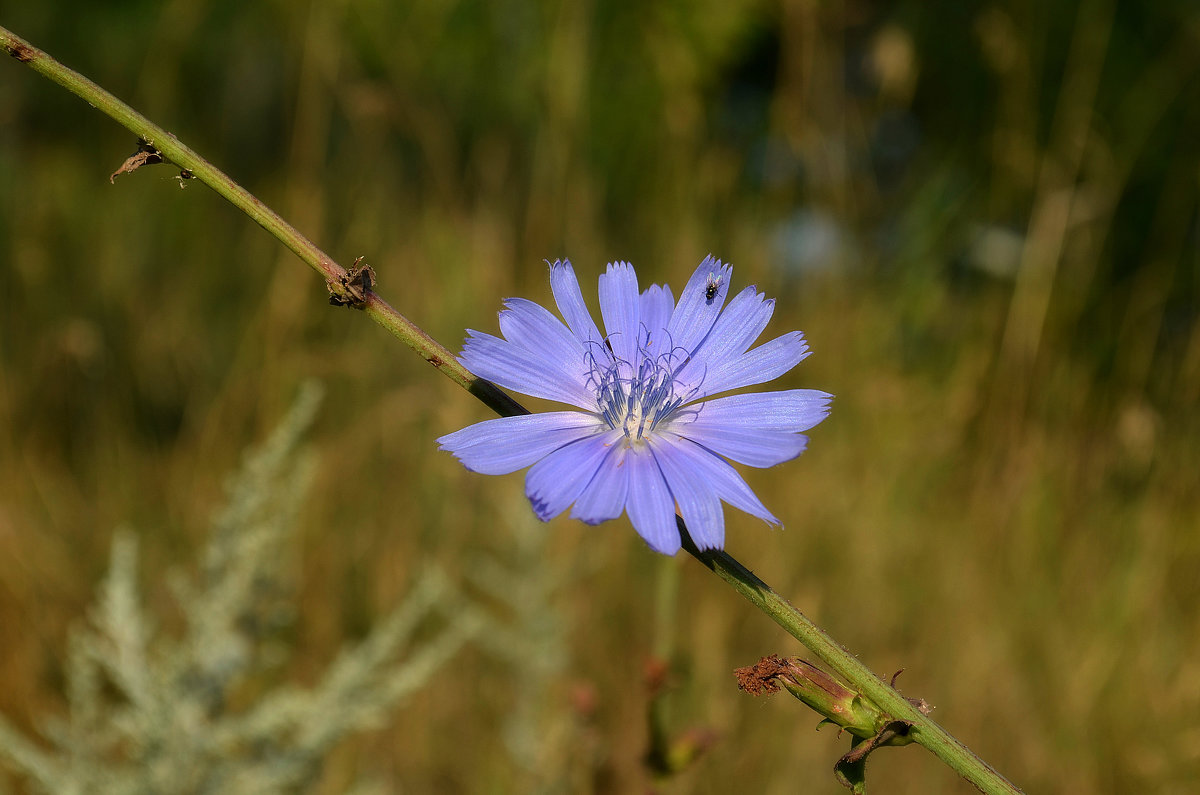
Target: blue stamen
636 402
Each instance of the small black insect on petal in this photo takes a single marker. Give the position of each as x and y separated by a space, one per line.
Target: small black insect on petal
710 289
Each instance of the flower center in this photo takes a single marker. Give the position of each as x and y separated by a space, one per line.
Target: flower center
635 399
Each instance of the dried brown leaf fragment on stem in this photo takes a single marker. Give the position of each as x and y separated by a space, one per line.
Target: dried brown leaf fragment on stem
352 287
146 155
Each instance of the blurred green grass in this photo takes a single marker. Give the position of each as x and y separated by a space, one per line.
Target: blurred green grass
985 221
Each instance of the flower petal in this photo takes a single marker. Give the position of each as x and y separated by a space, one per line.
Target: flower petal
735 331
516 367
760 429
698 502
506 444
534 328
649 505
751 447
766 362
620 308
791 410
658 302
605 496
724 480
695 314
554 482
570 303
657 305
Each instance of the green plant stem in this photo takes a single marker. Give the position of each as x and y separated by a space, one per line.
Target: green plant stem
854 673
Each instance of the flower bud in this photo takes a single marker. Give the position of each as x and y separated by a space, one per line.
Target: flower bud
839 705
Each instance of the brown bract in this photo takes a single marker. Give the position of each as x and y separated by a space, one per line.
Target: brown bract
146 155
759 679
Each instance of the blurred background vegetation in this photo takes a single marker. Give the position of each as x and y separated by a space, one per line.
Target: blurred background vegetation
983 215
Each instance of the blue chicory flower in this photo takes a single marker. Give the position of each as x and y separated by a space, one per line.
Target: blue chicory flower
649 440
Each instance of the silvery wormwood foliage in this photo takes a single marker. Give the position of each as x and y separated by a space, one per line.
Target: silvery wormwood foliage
207 710
648 440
